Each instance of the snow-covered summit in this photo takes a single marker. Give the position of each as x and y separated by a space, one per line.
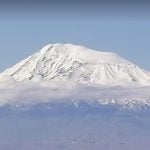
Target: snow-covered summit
84 53
67 62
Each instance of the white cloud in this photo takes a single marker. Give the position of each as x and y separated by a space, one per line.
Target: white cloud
50 91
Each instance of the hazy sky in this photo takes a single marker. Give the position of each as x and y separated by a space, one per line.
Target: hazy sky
118 26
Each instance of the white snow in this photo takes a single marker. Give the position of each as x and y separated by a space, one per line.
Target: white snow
67 62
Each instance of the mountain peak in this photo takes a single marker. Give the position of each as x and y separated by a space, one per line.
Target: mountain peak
68 62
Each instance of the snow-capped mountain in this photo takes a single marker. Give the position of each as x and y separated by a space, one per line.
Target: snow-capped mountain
44 103
67 62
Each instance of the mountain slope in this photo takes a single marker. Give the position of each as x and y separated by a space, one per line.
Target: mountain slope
67 62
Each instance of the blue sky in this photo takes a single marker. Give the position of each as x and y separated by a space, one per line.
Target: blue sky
123 28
